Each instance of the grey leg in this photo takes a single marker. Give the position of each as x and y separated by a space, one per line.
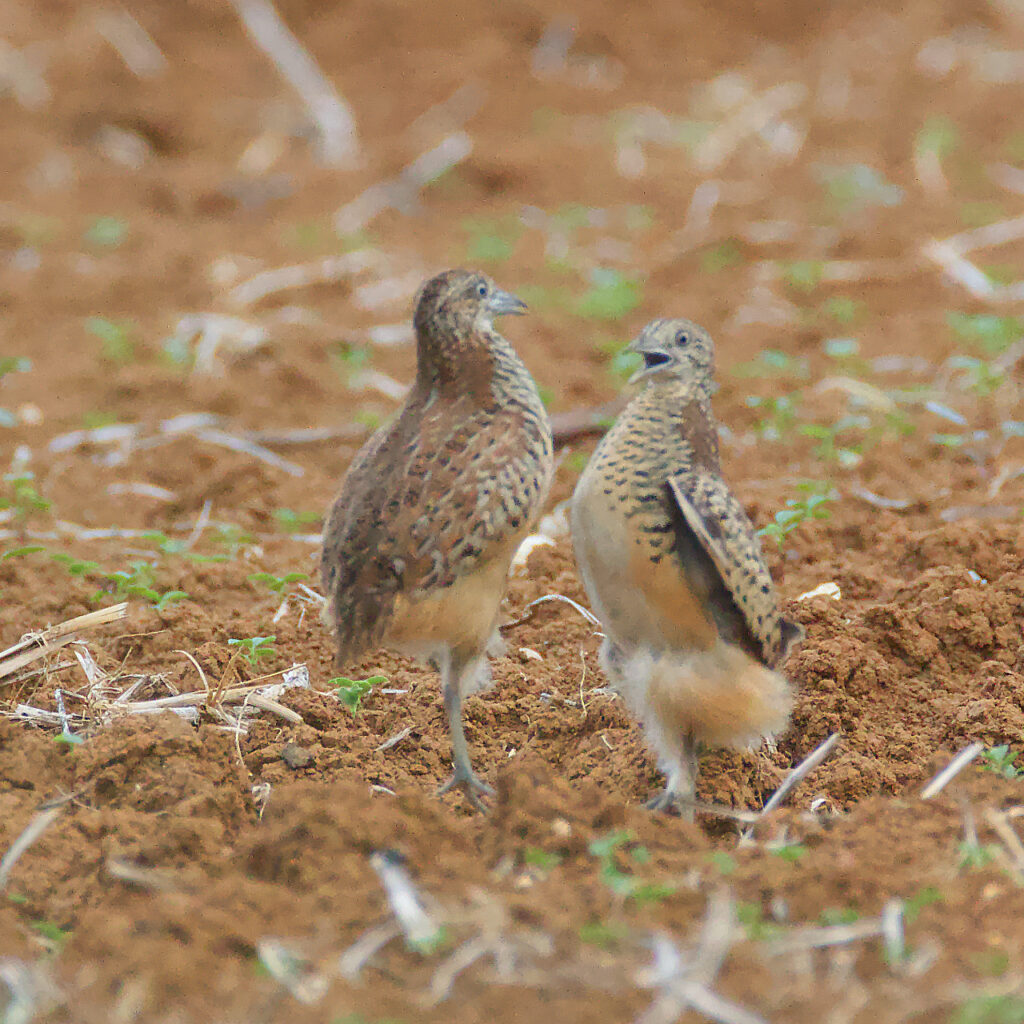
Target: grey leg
681 785
463 777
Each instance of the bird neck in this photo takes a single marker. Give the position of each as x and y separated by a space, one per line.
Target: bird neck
456 361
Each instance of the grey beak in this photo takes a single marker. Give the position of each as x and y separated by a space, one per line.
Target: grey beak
499 302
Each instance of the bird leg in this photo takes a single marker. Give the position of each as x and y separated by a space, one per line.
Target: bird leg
463 777
681 785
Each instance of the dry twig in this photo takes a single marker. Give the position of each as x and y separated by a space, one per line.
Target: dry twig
38 645
334 120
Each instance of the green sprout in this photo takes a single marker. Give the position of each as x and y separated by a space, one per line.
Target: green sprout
724 863
977 375
277 584
25 549
536 857
352 358
232 538
22 499
997 1009
828 448
115 338
720 257
803 275
610 297
990 333
792 852
623 884
292 522
838 915
854 187
937 135
491 241
255 648
779 415
1002 761
352 691
773 363
602 934
842 309
974 856
107 232
813 505
78 567
924 897
139 580
751 916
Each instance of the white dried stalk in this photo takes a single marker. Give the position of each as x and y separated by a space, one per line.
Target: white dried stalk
419 928
303 275
950 772
799 773
23 77
35 828
213 332
335 123
750 119
132 42
387 292
292 971
452 113
402 192
37 645
239 444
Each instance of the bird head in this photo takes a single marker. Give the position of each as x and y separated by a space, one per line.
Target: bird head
459 304
674 348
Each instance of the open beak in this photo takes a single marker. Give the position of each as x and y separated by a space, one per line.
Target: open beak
652 360
500 302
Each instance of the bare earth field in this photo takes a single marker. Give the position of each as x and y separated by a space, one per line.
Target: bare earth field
831 189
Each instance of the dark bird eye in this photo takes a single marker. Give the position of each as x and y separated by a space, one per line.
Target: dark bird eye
682 338
481 290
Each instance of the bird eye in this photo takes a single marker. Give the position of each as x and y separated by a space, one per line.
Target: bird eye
481 289
682 338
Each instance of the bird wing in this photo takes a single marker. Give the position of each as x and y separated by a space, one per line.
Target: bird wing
723 529
438 496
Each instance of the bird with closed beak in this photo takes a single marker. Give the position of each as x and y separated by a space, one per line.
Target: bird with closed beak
693 632
417 545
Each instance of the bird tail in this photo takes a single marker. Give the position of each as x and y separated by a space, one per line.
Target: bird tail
721 696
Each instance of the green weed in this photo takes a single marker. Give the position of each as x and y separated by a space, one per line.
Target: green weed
107 232
974 856
255 648
292 522
352 691
1003 761
277 584
751 916
610 297
723 256
814 504
924 897
603 934
1000 1009
115 338
992 334
622 884
538 858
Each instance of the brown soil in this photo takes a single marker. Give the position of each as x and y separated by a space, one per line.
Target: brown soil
186 851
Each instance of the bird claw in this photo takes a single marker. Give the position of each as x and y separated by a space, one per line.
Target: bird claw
664 801
472 786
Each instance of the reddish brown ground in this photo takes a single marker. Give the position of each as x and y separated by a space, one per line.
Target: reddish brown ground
150 897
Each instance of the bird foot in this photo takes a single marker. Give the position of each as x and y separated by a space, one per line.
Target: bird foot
670 802
664 801
471 785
